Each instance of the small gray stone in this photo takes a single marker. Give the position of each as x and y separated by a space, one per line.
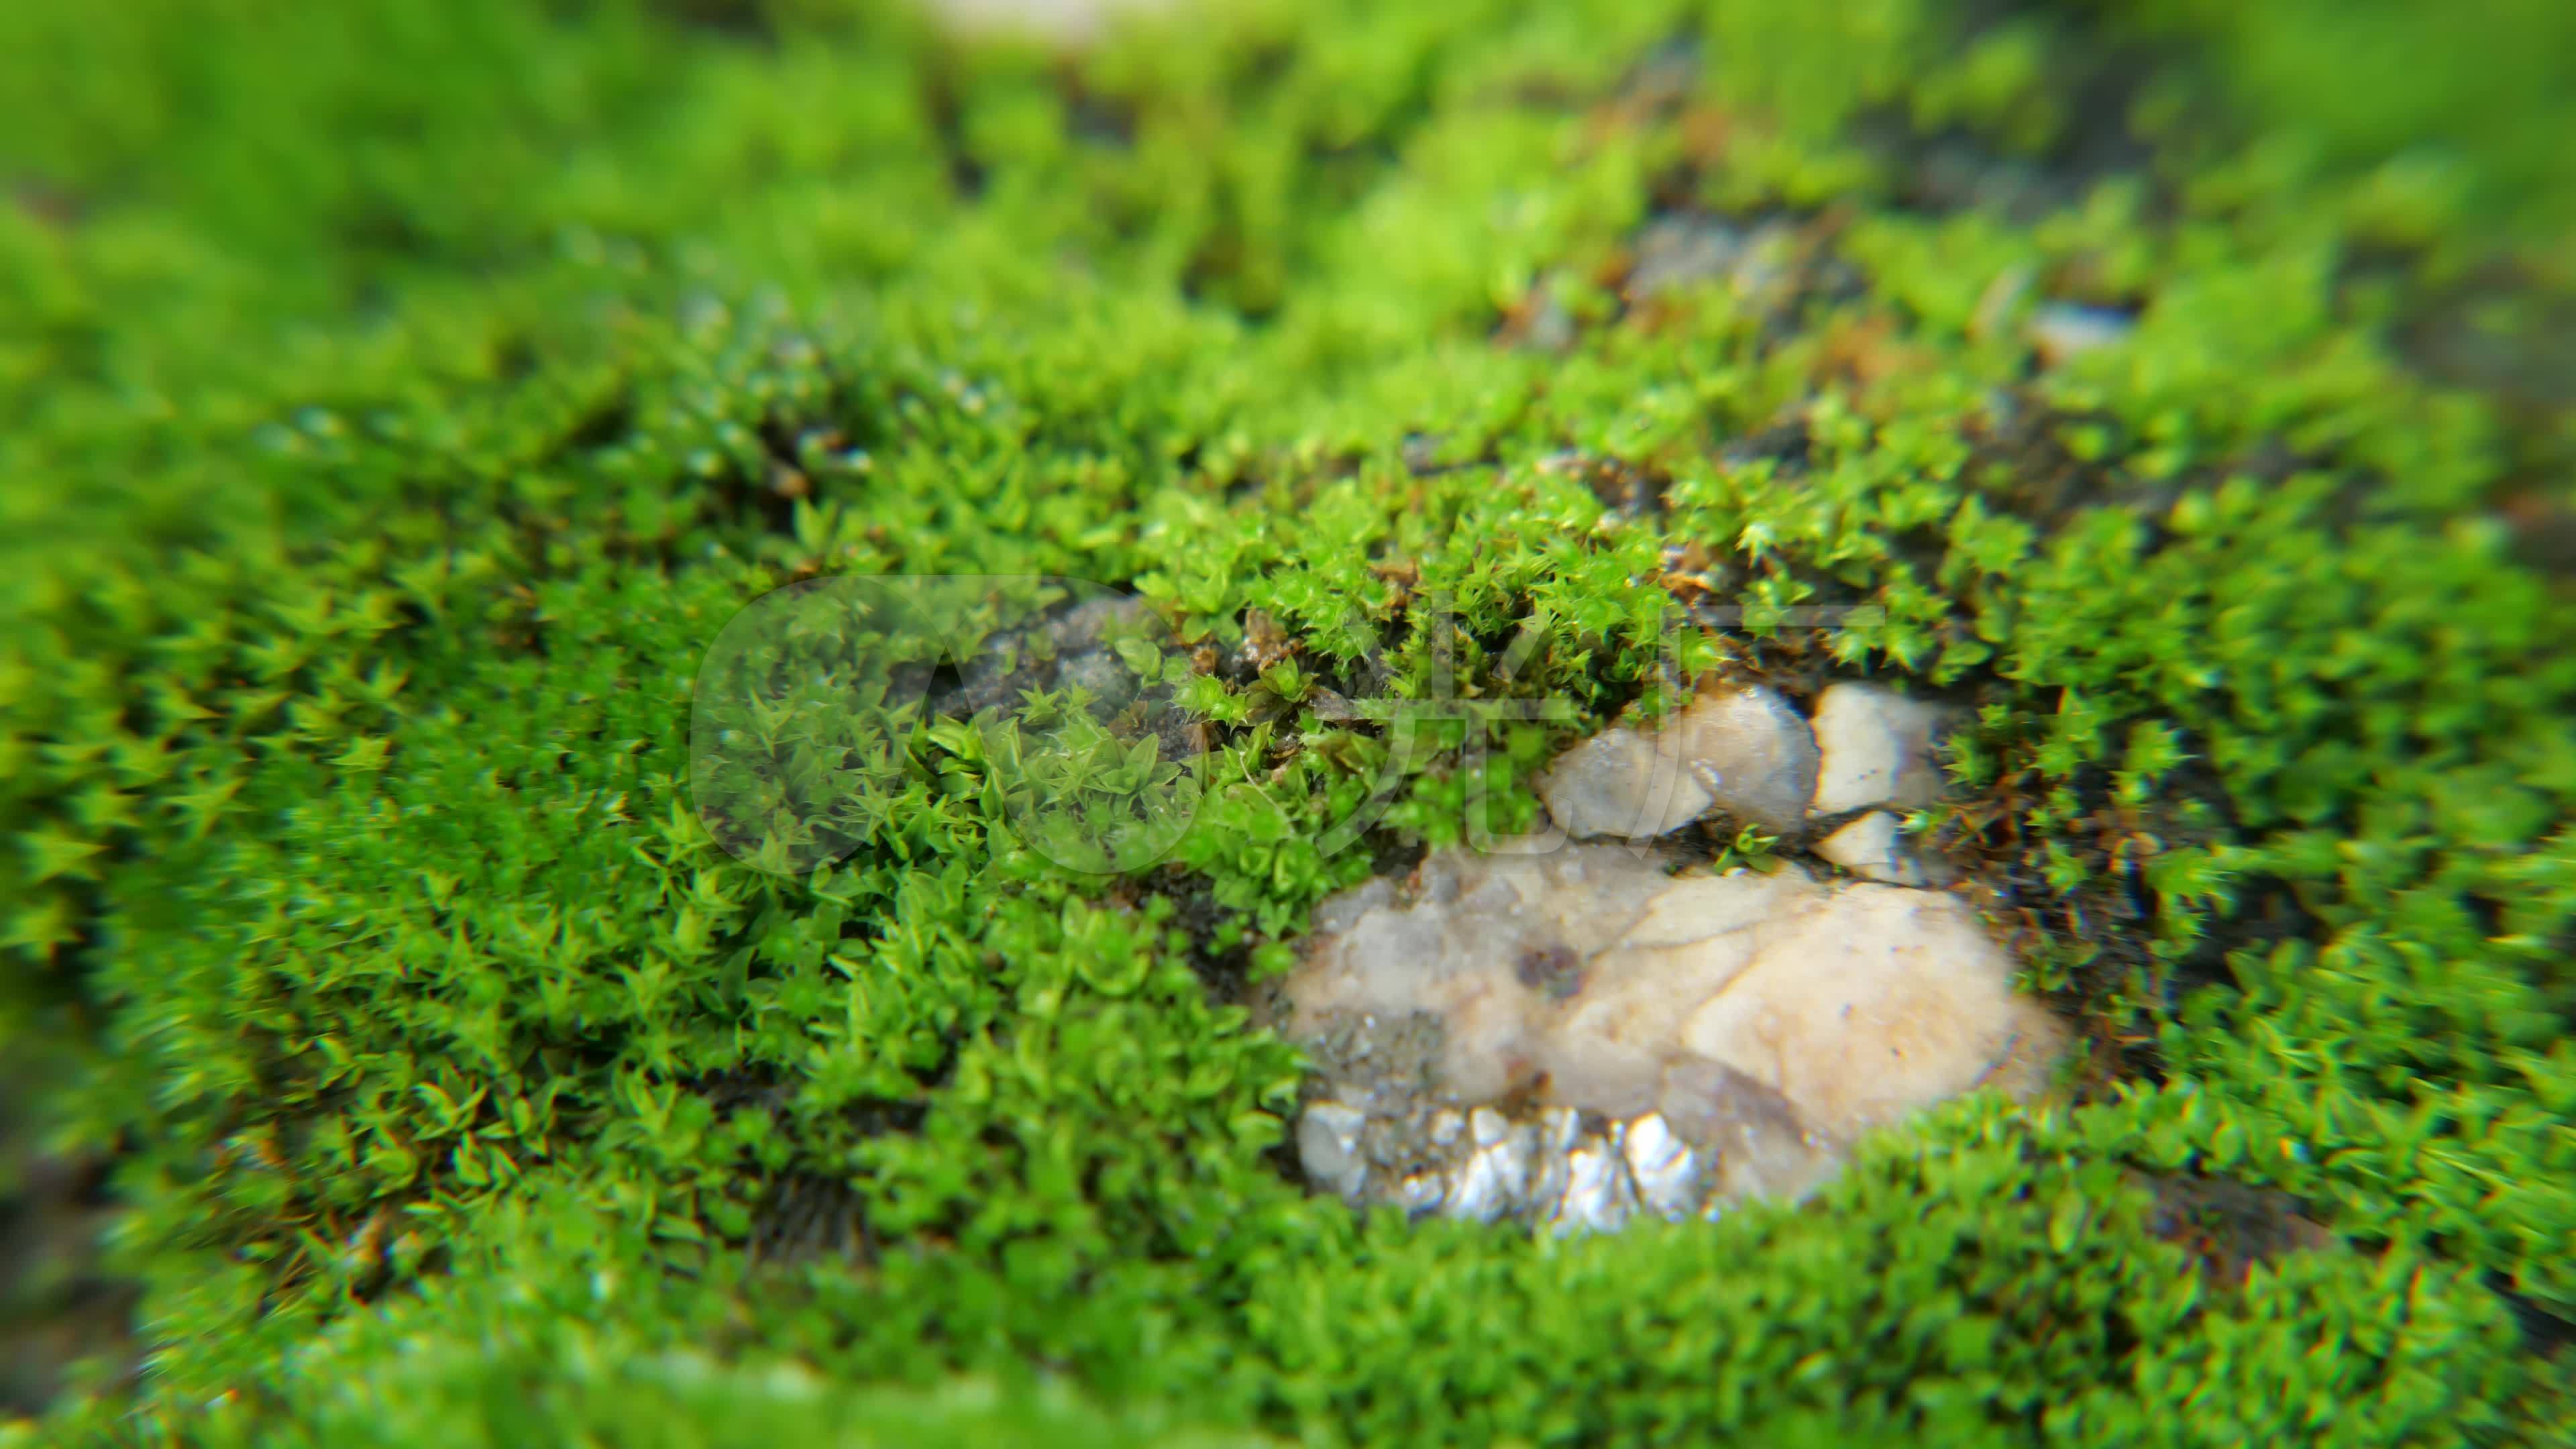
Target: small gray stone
1678 251
2060 330
1618 784
1753 755
1742 751
1328 1146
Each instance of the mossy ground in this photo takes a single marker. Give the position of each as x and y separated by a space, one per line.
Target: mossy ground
398 398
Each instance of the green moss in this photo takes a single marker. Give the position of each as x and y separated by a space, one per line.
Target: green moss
392 422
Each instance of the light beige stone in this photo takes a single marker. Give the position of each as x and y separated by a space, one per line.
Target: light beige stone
1879 1003
1871 846
1876 748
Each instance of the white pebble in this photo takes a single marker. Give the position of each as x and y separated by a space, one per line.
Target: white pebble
1877 748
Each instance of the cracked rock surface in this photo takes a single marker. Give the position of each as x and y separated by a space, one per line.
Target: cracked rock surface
1575 1036
1579 1036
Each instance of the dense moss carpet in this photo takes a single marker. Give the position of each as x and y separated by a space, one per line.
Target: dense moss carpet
396 400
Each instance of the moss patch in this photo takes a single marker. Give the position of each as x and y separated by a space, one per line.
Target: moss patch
391 420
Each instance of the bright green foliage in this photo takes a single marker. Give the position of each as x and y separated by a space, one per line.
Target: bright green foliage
391 419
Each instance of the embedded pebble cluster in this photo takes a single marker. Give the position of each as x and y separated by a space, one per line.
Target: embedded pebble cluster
1560 1169
1576 1036
1867 756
